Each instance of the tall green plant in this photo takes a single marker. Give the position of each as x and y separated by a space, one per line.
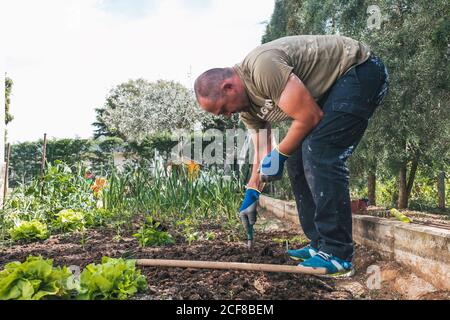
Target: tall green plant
174 194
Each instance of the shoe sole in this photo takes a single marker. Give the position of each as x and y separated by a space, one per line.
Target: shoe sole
296 258
339 275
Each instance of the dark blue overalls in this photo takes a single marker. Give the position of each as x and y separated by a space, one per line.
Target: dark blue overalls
317 169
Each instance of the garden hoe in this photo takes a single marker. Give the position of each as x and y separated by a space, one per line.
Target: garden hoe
248 218
240 266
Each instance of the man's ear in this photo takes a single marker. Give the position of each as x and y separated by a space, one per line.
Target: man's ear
226 85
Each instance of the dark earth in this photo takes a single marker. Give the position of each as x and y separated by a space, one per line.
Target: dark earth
178 283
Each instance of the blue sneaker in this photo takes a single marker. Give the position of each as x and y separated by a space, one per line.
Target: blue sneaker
333 265
303 253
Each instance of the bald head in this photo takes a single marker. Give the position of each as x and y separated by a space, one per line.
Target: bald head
221 92
208 84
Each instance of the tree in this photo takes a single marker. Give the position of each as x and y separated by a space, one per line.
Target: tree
415 119
8 89
295 17
101 128
222 123
139 108
410 130
276 28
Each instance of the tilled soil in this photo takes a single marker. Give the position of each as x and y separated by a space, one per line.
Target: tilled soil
179 283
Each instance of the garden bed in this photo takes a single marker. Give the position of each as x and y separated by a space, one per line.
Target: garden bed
177 283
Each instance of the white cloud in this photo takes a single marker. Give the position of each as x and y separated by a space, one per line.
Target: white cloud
64 56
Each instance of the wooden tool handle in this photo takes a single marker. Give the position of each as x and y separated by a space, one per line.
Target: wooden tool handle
228 266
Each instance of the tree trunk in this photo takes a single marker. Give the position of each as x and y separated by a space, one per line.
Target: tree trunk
412 176
402 188
441 190
371 187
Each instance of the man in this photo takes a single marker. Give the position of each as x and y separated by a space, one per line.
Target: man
329 86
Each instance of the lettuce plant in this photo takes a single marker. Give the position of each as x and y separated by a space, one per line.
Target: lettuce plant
69 220
98 217
113 279
152 237
151 234
29 231
36 279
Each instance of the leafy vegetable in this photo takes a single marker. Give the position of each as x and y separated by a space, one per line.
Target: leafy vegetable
151 234
62 187
210 235
113 279
36 279
69 220
98 217
29 231
189 229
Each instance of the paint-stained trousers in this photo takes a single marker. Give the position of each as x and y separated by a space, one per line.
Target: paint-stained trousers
317 169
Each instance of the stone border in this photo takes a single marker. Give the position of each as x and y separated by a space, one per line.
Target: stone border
425 250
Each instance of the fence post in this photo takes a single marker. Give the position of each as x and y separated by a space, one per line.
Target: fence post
44 147
5 183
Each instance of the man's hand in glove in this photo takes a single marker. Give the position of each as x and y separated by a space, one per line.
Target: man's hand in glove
247 212
272 166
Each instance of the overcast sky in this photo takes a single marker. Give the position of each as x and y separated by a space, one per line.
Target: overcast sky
65 55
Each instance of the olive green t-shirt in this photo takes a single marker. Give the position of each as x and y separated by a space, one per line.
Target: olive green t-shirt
318 61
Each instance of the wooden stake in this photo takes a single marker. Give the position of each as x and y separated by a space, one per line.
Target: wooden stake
5 184
228 266
44 147
44 151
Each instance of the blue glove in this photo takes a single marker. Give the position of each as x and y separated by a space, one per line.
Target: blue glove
272 166
247 212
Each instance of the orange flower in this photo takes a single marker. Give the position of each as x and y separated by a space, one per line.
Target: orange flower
98 185
193 169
